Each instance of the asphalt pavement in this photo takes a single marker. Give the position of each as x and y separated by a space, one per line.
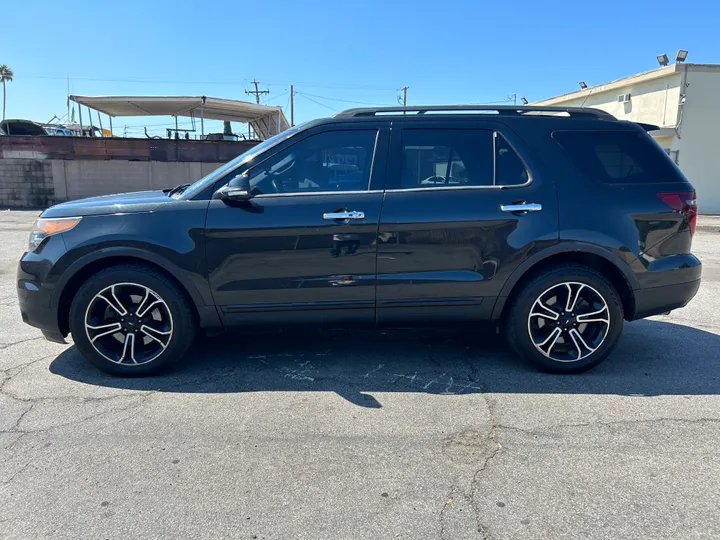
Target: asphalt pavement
411 434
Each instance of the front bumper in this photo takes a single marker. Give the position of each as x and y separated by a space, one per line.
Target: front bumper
35 289
40 316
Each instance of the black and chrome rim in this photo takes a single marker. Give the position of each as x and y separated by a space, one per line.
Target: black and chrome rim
569 322
129 324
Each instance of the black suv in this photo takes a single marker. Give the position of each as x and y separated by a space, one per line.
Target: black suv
555 224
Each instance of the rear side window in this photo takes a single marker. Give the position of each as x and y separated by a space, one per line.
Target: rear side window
625 157
458 158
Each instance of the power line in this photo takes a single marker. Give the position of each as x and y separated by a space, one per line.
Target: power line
316 102
344 100
274 97
225 81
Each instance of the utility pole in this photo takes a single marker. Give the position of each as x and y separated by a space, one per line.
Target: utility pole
514 98
257 92
292 105
404 99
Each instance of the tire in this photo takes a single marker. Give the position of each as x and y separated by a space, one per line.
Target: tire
155 333
552 345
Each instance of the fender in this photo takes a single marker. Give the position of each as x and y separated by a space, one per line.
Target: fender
562 247
200 298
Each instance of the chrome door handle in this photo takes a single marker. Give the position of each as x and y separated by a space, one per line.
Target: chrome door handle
344 215
524 207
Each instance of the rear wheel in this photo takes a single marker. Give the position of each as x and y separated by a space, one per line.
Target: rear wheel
131 320
566 320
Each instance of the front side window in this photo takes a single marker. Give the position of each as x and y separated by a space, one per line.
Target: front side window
329 161
458 158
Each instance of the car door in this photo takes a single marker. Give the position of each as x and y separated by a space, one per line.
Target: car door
466 203
303 248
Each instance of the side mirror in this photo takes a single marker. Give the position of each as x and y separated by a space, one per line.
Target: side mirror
238 189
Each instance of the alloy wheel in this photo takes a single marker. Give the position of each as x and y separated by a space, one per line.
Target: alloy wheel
568 322
128 323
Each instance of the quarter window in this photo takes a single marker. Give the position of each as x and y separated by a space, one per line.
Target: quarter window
618 156
329 161
458 158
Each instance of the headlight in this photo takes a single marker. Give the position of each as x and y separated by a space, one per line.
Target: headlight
45 227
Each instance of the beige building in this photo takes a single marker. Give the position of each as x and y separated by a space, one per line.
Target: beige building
684 100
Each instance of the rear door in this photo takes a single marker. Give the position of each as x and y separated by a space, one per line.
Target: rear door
466 202
303 249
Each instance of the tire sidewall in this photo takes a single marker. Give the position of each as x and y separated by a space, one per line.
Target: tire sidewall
519 335
181 318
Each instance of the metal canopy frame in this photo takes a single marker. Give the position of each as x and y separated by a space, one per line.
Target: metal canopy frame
265 120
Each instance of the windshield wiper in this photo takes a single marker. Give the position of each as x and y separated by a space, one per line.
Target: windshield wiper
177 190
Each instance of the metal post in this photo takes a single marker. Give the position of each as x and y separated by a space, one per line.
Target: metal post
100 122
90 129
202 119
80 113
279 123
111 131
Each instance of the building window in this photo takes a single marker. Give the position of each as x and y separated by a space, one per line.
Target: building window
674 155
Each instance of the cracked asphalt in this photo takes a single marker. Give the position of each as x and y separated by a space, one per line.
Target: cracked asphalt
364 434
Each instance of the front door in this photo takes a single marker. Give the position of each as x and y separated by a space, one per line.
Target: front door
303 249
456 220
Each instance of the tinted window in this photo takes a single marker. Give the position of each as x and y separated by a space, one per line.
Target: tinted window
509 169
458 157
446 157
619 156
330 161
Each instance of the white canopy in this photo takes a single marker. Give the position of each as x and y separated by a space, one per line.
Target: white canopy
266 121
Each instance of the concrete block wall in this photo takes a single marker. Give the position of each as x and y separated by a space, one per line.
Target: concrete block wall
26 183
39 183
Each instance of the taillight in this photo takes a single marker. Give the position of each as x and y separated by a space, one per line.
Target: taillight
682 201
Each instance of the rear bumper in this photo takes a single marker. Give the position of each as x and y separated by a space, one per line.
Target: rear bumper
657 300
668 283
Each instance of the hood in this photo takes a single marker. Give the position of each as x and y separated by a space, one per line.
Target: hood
122 203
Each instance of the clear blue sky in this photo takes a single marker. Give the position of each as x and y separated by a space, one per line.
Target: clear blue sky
449 51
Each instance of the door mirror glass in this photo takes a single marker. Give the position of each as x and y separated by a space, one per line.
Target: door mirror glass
238 189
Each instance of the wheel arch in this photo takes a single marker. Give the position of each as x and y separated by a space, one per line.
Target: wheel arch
611 265
80 270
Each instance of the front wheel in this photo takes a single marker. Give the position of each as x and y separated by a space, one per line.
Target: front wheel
131 320
566 320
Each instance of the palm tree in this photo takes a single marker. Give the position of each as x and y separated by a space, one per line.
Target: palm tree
6 75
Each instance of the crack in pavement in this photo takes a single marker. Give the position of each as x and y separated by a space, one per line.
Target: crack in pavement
611 423
495 426
16 427
7 345
16 474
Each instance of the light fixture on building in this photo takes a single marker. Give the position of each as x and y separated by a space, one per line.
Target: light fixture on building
583 85
663 59
681 55
524 101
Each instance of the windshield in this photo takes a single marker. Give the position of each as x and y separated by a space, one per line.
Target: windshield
218 173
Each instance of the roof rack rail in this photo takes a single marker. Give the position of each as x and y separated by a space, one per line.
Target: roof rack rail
578 112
